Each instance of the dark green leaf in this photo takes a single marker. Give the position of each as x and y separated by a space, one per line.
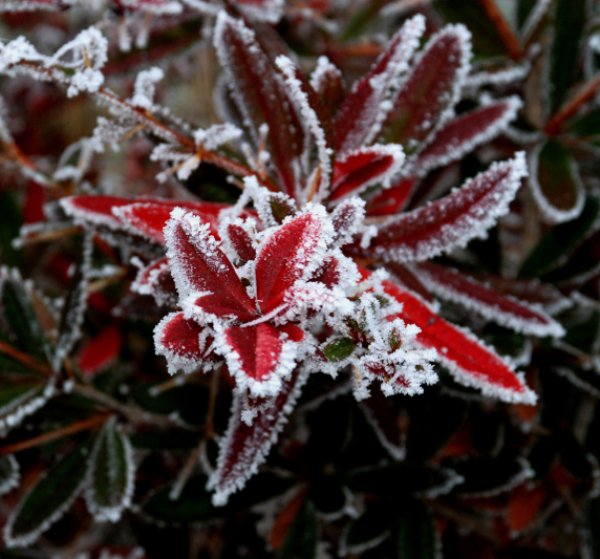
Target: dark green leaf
588 124
17 402
193 505
414 535
339 350
48 499
21 319
9 474
9 229
560 241
302 538
570 19
111 474
556 183
368 530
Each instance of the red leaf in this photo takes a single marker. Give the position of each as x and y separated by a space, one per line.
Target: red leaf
392 200
148 219
245 447
428 96
94 210
100 351
240 241
467 359
284 258
524 507
185 344
466 132
480 299
359 118
365 167
35 198
260 356
328 83
259 94
156 280
452 221
202 271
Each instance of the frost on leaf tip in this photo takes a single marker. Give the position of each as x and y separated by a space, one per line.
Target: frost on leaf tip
451 222
245 446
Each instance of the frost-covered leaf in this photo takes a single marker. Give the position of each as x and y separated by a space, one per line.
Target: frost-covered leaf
18 312
18 402
185 344
148 219
110 475
452 221
365 108
328 83
259 95
392 200
467 358
245 446
9 474
48 500
94 210
260 356
203 274
484 301
465 133
156 280
427 98
284 258
555 183
359 169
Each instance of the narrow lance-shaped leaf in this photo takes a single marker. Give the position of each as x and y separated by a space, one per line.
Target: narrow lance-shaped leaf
245 446
468 359
259 94
465 133
415 535
9 474
18 402
110 475
452 221
365 108
484 301
328 83
365 167
48 500
555 183
427 98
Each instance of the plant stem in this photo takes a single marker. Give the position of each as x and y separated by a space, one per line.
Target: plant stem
507 36
25 359
83 425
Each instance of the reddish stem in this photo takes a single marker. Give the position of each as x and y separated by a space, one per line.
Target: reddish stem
585 94
25 359
83 425
507 36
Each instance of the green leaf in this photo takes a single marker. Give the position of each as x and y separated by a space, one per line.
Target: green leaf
570 19
20 317
369 529
193 504
339 350
18 402
302 537
111 474
9 474
561 241
9 229
414 535
588 124
555 182
47 500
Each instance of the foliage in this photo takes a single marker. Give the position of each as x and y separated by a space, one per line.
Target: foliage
299 279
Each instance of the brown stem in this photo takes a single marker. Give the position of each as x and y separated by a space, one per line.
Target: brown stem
585 94
25 359
187 471
83 425
507 36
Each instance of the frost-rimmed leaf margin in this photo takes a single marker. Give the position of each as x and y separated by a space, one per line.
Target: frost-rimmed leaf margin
109 442
10 474
71 469
283 405
476 206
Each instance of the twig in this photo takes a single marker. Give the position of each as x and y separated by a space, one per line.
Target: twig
585 94
44 438
507 36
